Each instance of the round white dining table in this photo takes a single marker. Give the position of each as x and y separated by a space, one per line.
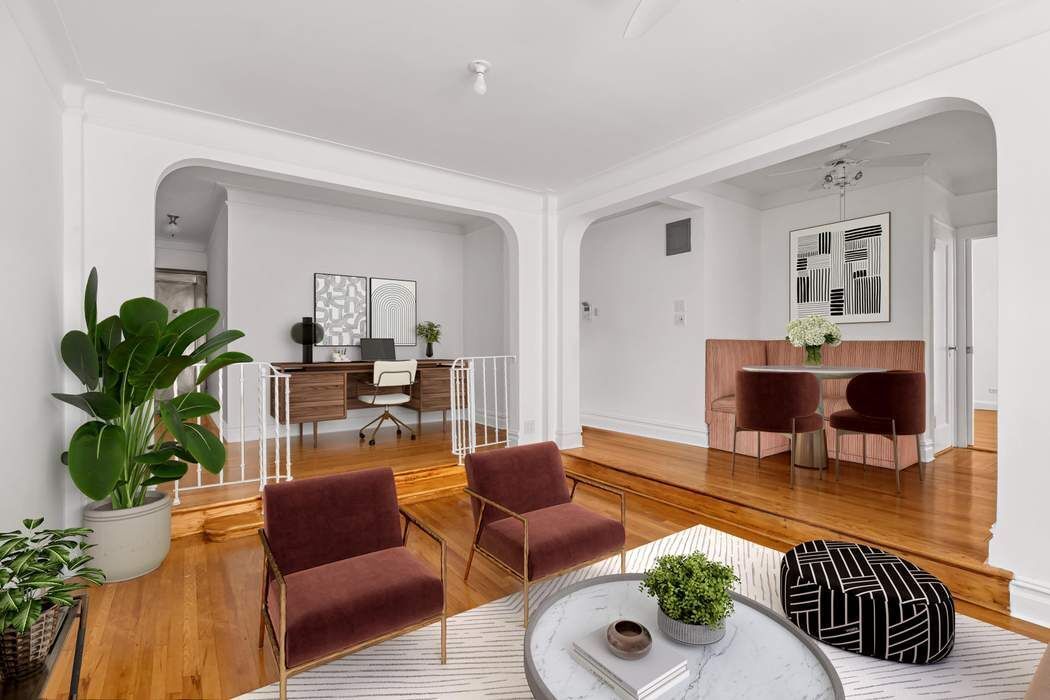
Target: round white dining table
812 449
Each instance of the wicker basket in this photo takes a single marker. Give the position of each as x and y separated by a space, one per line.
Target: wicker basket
24 654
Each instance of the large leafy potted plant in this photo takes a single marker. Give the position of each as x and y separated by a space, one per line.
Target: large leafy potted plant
692 592
40 570
134 440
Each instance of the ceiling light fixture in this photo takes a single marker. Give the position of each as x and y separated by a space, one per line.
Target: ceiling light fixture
173 225
478 68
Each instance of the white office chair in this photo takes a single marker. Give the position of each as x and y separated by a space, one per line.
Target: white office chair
389 374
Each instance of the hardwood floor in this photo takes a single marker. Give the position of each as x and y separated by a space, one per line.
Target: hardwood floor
188 630
986 430
952 511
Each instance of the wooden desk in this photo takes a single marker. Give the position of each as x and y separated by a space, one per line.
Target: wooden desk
327 390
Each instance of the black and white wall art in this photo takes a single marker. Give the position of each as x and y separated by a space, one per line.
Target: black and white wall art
394 310
842 270
341 308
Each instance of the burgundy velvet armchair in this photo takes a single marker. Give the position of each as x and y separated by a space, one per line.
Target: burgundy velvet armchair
337 576
524 519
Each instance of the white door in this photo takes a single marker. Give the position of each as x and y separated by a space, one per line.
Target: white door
944 336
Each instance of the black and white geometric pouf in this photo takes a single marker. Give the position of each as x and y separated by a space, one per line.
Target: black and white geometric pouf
861 599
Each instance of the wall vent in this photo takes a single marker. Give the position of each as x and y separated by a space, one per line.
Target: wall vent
679 237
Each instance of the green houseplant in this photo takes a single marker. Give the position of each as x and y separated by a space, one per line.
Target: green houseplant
40 570
430 332
132 439
692 592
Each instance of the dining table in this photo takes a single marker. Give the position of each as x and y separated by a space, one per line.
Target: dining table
812 449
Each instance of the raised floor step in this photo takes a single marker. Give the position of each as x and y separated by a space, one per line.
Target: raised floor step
222 518
975 582
230 527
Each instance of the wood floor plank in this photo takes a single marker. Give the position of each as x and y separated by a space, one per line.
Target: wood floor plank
189 629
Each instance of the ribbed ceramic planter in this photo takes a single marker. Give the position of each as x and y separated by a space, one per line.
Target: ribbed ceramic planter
688 634
129 542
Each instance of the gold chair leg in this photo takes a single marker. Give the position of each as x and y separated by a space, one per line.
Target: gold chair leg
525 599
732 463
838 454
444 638
470 560
794 440
284 685
864 451
623 562
918 455
758 452
896 461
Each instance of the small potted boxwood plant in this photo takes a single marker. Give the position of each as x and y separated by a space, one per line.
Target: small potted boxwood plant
693 596
430 332
40 570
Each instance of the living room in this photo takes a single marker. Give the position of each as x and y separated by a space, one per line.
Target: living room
102 120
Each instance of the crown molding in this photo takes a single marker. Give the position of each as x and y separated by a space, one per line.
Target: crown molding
239 195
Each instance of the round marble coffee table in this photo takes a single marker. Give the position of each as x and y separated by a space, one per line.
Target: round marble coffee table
761 656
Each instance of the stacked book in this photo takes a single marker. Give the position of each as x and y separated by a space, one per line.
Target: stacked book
657 674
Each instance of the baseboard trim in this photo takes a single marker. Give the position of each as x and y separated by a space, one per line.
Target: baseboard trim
1030 600
646 428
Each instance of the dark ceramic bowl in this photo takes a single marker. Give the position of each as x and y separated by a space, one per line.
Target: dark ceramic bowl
628 639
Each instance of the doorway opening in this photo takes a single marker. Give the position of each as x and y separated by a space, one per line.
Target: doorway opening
981 264
180 291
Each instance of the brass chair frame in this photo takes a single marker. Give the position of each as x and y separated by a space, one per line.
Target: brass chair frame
524 576
792 437
864 452
277 636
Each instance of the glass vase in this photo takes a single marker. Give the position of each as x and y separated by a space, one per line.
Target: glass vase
814 358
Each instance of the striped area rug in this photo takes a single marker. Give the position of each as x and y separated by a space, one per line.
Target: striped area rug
485 644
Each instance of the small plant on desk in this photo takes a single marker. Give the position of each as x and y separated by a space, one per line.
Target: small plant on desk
430 332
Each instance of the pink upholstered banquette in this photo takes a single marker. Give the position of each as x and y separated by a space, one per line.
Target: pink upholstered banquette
725 357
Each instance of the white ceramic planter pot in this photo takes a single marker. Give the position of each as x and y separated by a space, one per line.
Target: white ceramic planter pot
132 541
686 633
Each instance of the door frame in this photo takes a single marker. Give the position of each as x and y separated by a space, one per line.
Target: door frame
952 438
964 236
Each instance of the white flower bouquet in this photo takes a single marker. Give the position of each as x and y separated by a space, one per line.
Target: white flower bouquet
812 333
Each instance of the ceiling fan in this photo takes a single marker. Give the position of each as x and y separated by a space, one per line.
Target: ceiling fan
645 16
840 170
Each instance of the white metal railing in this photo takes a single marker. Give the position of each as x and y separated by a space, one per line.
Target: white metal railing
269 394
479 384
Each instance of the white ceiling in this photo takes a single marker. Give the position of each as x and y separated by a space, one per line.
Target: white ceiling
568 97
197 194
962 158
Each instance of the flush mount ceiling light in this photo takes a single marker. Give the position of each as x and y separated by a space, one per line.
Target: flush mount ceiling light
478 68
173 225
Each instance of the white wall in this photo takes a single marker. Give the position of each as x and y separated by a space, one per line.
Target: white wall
985 310
276 245
175 256
639 372
485 300
904 200
31 285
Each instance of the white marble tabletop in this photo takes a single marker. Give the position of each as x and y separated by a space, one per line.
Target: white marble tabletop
821 371
761 656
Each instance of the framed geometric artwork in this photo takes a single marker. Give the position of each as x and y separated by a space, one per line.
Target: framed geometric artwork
341 308
842 270
393 310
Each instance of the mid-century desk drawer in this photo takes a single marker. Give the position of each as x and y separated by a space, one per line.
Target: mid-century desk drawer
315 396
